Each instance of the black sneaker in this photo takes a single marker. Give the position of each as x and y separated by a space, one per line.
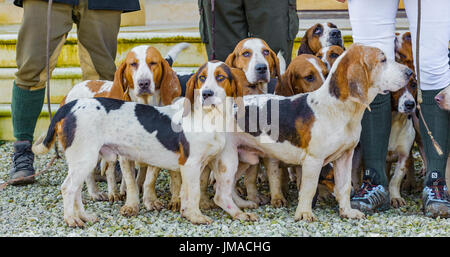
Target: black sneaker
370 197
435 197
22 163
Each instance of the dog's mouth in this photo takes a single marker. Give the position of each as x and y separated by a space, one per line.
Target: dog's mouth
144 92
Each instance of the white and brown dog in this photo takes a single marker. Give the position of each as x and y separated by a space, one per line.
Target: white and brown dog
330 115
144 76
329 54
158 136
319 36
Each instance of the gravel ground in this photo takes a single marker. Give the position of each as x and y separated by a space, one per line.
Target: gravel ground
36 210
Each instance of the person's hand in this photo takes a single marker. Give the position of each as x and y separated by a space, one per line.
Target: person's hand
342 1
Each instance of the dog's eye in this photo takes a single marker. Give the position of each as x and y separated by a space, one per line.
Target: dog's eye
220 78
246 54
384 59
252 86
309 78
134 64
334 55
413 85
152 63
202 78
265 52
318 31
319 56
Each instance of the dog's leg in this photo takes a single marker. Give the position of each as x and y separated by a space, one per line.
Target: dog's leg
141 176
80 165
150 199
225 169
250 179
206 202
113 194
356 167
190 194
242 170
298 174
275 182
92 188
343 186
308 187
131 207
175 187
396 181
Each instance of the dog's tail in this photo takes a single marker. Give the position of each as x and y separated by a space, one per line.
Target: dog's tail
45 142
282 62
174 51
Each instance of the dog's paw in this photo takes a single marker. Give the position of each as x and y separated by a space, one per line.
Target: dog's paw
129 211
279 202
114 197
259 199
240 190
153 204
245 216
99 196
206 203
247 204
306 216
74 222
198 218
352 214
174 204
398 202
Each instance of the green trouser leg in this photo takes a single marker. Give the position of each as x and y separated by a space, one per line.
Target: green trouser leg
376 128
438 122
26 105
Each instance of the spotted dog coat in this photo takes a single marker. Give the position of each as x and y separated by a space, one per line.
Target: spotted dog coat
157 136
329 116
319 36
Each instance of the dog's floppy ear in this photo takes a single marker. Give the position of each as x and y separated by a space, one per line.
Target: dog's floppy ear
170 87
274 65
119 89
358 83
239 82
304 46
189 97
284 85
231 59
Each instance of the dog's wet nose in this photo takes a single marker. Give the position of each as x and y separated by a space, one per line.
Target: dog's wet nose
409 105
439 98
207 93
261 68
335 33
408 72
144 83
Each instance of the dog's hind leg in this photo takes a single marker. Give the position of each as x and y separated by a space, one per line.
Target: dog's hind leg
131 207
396 181
175 187
93 190
113 194
150 199
275 182
250 179
141 176
205 201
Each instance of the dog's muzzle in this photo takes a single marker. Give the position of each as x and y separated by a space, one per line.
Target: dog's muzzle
335 37
261 72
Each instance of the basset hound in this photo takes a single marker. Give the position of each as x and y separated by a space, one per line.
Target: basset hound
296 128
144 76
319 36
329 54
164 137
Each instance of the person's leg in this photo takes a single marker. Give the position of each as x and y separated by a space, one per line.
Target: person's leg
97 41
29 86
434 76
373 24
230 26
275 22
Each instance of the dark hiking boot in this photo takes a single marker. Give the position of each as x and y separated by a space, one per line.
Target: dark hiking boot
435 197
370 197
22 163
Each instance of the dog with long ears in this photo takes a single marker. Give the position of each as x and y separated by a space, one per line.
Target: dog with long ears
164 137
330 115
319 36
443 100
144 76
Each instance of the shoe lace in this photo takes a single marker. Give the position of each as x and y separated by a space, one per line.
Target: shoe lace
23 159
366 187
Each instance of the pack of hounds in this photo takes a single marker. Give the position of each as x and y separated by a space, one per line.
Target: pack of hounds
144 118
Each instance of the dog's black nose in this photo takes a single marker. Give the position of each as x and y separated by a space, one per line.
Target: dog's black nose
207 93
409 105
408 72
144 83
261 68
335 33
